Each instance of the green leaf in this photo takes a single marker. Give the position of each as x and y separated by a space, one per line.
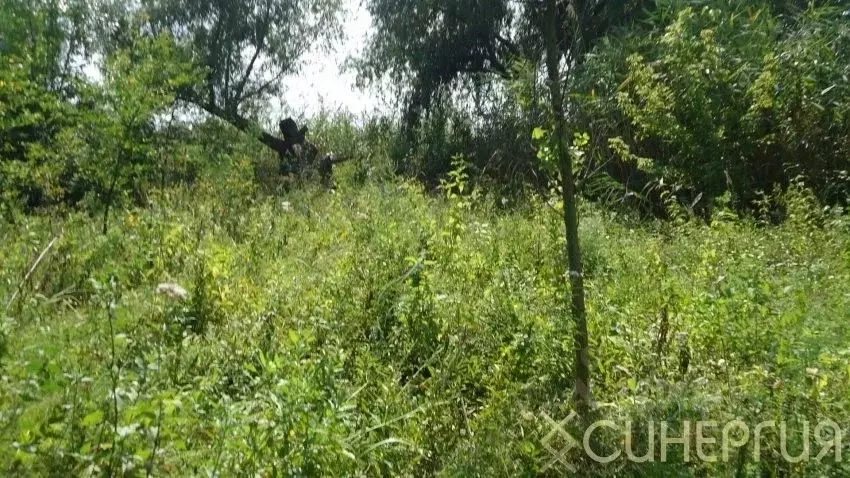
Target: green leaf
538 133
93 419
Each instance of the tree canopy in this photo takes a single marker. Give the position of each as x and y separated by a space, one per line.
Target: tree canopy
245 47
424 46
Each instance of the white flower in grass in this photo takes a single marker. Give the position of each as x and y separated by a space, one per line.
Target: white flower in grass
172 290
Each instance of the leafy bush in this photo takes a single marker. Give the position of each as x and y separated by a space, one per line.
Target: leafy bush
723 96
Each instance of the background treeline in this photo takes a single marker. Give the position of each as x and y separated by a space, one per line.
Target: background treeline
177 301
690 100
684 103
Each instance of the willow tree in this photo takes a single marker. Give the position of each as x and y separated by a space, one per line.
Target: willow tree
422 46
245 49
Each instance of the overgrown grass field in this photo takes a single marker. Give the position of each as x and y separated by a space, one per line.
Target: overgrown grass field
377 330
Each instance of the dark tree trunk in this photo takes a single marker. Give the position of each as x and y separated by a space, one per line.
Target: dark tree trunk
273 142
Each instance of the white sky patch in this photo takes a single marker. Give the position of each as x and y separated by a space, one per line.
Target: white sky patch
323 83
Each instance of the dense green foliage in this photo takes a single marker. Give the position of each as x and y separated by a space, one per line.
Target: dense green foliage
65 137
724 98
466 72
174 302
688 100
375 330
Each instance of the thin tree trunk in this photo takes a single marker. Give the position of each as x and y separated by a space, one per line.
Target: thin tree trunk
582 356
110 195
